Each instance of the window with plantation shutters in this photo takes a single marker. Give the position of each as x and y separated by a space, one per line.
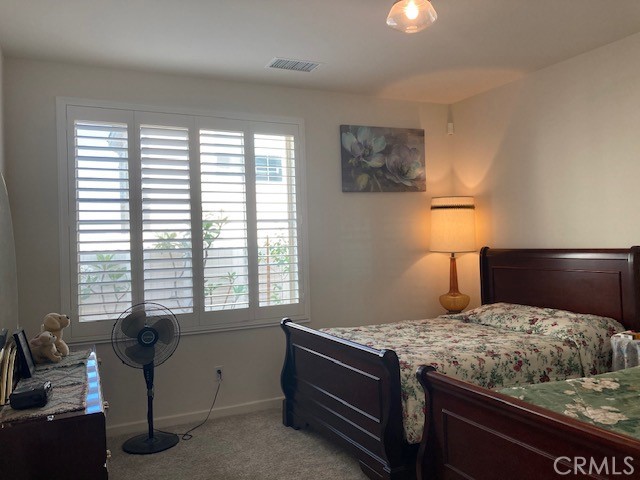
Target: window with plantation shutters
198 213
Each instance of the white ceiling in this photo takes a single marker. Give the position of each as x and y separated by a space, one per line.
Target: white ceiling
475 45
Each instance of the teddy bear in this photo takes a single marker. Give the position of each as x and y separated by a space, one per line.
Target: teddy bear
43 348
54 323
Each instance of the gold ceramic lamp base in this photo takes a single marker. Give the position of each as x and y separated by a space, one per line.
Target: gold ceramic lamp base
454 302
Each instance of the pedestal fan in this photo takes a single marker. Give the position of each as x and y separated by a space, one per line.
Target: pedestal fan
145 336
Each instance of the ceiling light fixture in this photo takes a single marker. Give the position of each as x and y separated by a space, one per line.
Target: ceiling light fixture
411 16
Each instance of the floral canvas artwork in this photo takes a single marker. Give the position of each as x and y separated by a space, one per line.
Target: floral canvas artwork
380 159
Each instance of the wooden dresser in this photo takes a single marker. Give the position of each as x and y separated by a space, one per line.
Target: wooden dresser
70 445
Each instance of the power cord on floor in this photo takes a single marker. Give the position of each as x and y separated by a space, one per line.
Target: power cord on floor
187 435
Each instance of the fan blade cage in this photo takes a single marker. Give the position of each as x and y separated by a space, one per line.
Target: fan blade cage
145 333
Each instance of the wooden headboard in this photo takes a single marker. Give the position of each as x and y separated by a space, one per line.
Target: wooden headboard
604 282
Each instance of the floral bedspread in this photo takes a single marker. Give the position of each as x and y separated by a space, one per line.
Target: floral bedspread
485 355
591 334
609 401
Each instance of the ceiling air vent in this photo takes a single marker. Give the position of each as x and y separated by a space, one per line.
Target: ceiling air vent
295 65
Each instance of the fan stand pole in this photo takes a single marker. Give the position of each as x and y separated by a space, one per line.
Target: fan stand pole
148 377
153 442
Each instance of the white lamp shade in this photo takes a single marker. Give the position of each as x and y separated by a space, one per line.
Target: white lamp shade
453 224
411 16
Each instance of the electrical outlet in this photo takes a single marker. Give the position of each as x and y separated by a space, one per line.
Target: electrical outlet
219 373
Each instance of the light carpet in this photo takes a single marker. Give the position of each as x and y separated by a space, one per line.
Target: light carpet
244 447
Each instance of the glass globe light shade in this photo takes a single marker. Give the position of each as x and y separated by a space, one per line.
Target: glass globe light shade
411 16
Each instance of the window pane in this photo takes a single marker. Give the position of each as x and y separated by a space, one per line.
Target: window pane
102 220
166 217
269 169
277 228
224 220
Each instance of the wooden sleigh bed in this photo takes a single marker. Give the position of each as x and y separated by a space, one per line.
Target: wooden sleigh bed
352 393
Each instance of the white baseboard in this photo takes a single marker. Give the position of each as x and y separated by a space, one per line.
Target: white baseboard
193 417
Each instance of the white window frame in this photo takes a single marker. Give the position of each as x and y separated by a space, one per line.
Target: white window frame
199 321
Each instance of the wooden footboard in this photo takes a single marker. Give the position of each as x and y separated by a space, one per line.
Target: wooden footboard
475 433
351 393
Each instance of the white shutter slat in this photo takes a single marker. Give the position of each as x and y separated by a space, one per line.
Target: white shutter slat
222 158
169 213
91 222
98 162
99 204
164 193
167 225
166 216
159 172
166 162
292 264
106 244
173 203
212 272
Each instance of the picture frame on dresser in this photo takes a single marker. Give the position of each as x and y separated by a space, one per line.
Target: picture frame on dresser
25 358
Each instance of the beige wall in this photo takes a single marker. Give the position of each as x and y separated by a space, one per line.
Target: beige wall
554 159
8 278
368 252
2 167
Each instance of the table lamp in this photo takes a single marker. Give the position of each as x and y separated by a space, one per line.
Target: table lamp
453 230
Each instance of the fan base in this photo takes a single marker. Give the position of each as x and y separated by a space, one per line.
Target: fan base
144 445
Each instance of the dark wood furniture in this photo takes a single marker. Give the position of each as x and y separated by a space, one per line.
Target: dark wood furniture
474 433
478 434
351 393
603 282
67 445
